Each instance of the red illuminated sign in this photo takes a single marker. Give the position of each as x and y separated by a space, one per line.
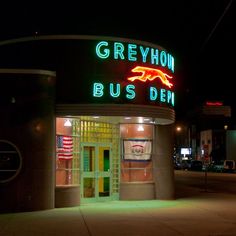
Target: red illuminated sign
214 103
151 74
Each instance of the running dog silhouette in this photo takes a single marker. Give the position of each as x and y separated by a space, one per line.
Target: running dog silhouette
151 74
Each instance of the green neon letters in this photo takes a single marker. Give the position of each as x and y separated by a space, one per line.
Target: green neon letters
132 51
165 96
115 90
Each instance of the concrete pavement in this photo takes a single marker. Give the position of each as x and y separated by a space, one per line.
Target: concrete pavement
197 212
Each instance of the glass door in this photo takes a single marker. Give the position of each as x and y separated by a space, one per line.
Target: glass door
96 173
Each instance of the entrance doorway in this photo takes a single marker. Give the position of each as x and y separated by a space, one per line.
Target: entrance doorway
96 172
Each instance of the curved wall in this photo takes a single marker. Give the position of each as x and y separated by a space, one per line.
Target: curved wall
163 163
94 76
27 99
99 70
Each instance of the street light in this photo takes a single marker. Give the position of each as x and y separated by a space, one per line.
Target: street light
178 128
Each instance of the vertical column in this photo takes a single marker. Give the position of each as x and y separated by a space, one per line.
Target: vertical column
162 162
29 123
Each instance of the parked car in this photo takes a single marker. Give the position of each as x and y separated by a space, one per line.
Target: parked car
185 164
177 166
196 165
216 166
229 165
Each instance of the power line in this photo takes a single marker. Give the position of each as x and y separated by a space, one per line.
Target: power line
216 25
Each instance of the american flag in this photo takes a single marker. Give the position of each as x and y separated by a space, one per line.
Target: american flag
64 147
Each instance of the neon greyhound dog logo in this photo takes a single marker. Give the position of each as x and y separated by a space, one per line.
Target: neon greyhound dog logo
151 74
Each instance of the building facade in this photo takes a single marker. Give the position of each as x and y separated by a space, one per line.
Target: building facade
86 119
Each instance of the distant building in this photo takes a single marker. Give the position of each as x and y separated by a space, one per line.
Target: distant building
210 128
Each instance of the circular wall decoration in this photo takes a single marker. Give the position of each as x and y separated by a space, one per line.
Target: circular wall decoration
10 161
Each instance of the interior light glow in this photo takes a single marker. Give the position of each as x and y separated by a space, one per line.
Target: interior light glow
67 123
151 74
140 120
140 128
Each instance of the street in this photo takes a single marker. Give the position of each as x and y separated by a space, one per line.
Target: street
197 181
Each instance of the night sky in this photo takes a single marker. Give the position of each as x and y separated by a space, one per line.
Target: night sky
199 34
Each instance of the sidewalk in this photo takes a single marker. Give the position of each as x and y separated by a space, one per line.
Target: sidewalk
199 213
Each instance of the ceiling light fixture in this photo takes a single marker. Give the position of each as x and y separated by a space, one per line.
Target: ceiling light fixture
140 128
67 123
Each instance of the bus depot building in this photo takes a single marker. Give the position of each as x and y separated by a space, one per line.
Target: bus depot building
84 119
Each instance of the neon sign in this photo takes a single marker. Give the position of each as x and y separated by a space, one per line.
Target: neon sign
114 91
151 74
123 87
214 103
132 52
